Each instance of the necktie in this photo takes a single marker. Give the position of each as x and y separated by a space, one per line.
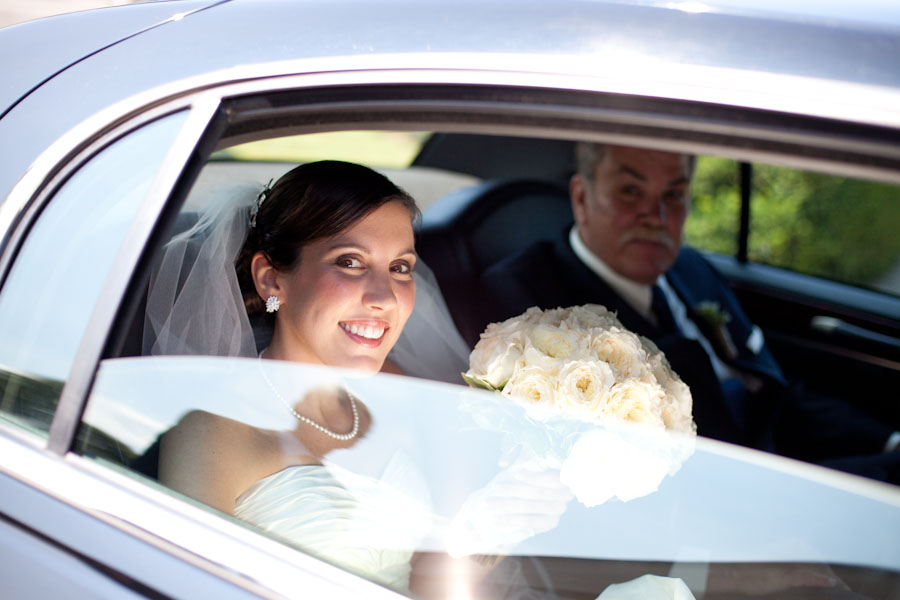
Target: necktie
660 307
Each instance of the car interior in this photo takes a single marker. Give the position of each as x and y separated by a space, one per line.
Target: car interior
507 192
510 192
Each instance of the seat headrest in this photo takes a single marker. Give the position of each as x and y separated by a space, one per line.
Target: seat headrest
467 231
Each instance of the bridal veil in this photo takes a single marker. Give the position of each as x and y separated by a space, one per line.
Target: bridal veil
195 306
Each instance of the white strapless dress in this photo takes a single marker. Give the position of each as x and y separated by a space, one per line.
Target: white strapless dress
367 527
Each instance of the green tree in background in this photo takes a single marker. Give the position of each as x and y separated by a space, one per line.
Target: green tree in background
714 221
833 227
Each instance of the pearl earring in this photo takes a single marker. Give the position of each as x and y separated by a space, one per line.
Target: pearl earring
272 304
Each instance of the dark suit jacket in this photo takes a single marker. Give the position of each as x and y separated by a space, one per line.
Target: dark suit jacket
549 275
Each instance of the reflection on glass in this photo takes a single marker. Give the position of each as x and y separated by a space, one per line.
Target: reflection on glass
422 470
59 272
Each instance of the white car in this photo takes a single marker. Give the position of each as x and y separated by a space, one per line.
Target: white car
118 124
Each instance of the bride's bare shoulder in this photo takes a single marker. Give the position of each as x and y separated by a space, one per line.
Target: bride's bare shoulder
218 436
214 458
209 426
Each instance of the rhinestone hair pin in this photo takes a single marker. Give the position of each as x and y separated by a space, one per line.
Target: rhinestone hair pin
254 208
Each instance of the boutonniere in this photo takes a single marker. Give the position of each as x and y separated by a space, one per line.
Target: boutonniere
717 320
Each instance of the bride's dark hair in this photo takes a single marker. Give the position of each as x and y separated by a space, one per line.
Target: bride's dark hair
308 203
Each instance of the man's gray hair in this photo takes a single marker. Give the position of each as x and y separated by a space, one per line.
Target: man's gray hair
589 154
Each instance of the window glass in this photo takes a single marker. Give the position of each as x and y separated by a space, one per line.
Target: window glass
48 298
714 220
392 149
389 152
436 469
431 489
834 227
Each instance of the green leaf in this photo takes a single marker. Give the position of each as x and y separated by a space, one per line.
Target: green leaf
477 382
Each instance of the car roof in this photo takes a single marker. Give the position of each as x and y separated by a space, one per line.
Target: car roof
869 13
777 62
47 46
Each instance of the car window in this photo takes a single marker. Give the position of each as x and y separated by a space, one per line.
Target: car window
422 491
837 228
714 220
390 149
834 227
390 152
433 458
51 290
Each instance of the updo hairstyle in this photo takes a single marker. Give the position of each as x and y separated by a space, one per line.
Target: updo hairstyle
310 202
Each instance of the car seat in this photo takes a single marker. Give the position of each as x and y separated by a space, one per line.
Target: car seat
467 231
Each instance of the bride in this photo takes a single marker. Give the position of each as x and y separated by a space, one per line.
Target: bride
324 261
327 263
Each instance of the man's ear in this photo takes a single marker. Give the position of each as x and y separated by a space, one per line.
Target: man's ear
265 277
578 194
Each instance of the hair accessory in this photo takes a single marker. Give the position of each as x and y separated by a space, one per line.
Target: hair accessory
272 304
304 419
260 198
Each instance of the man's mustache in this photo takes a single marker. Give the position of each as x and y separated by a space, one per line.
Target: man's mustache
646 234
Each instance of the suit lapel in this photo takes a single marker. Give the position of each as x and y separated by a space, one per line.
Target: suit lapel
737 330
721 338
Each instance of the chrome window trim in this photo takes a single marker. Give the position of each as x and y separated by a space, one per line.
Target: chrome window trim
53 168
81 375
188 532
839 101
289 75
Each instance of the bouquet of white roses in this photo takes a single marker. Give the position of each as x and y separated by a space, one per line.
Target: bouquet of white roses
580 362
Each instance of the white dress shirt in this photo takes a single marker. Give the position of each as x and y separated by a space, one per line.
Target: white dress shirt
639 296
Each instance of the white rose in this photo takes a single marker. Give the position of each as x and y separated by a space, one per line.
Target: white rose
533 384
591 316
678 406
551 316
659 365
636 401
534 357
494 359
603 465
583 386
513 329
622 350
650 346
555 341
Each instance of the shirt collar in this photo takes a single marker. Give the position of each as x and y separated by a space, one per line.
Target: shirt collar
637 295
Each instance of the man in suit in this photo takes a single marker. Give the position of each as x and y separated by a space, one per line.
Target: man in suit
624 252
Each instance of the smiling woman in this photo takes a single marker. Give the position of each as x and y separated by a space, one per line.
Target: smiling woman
330 249
347 300
332 243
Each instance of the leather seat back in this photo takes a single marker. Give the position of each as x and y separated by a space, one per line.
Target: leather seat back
467 231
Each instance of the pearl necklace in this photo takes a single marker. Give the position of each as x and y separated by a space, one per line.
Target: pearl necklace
304 419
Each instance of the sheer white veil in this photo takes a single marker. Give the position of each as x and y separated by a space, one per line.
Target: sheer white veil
194 303
430 345
195 306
